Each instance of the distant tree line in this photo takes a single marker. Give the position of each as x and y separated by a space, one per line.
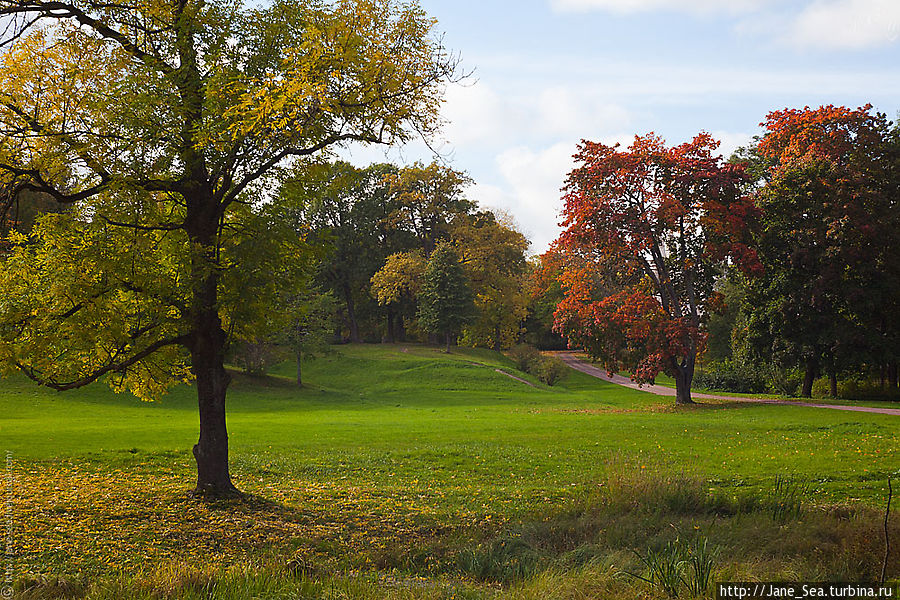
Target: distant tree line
400 255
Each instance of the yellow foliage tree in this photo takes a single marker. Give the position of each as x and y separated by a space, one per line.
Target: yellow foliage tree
158 121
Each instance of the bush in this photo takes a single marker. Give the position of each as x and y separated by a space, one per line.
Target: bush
729 376
784 381
255 358
549 369
524 356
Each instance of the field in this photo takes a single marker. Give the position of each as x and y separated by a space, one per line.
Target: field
401 472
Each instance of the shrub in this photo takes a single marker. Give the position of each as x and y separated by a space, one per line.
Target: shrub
730 376
524 356
549 369
256 357
784 381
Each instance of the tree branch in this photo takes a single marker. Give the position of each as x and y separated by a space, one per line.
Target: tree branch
63 10
113 367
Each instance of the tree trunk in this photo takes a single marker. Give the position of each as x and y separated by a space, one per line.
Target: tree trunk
808 377
448 343
497 341
299 372
390 338
892 375
207 348
832 384
401 329
684 374
351 316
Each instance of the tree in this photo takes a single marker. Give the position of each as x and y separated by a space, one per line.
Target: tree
648 230
396 286
309 317
158 121
342 208
445 299
828 239
493 255
428 199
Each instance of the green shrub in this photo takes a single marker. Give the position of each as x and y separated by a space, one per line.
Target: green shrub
784 381
730 376
549 369
525 357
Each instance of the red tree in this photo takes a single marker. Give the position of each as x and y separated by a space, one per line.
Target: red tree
648 229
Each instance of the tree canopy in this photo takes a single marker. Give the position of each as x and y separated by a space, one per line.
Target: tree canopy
648 229
158 121
828 239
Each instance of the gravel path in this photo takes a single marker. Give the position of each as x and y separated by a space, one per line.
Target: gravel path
579 365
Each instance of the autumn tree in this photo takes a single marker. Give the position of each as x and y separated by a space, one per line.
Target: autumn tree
544 295
828 239
396 286
445 299
647 231
157 122
492 253
428 198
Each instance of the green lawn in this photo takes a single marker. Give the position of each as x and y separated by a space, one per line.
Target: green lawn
393 456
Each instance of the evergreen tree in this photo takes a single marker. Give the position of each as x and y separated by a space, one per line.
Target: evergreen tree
446 301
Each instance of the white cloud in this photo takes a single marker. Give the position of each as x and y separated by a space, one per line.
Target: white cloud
847 24
636 6
477 115
826 24
530 189
731 141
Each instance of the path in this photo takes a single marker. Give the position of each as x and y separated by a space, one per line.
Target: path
579 365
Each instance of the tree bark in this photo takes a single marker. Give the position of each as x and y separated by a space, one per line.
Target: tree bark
808 377
299 372
351 316
497 341
832 384
684 374
390 338
892 375
448 343
207 348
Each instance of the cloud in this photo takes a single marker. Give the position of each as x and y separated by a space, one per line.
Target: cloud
637 6
477 115
823 24
530 189
731 141
847 24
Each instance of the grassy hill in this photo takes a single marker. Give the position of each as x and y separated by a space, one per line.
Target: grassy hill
400 471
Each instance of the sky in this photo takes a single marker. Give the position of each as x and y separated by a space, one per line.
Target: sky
546 74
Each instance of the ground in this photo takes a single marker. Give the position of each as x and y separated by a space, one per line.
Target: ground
402 472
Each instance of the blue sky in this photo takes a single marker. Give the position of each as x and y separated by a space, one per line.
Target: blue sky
548 73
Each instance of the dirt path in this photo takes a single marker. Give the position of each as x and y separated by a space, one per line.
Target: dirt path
579 365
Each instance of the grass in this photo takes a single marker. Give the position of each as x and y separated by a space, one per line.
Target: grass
402 472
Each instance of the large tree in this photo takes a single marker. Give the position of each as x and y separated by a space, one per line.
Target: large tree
828 239
648 229
344 209
157 120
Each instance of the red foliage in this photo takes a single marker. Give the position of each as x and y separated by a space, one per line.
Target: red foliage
646 230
